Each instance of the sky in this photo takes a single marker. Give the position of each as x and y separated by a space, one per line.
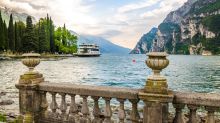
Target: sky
121 21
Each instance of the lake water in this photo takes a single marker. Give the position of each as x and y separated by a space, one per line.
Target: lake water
184 73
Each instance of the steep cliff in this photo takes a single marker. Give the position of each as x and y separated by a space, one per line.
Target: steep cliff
145 43
192 29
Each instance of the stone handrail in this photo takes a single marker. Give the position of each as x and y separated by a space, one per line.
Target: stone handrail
35 93
199 99
100 91
193 101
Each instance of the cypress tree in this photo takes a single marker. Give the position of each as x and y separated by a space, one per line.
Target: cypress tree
16 37
29 41
47 25
64 38
42 37
1 33
11 34
52 43
5 31
20 33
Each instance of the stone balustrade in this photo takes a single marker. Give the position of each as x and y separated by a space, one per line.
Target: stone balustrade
85 91
194 101
46 102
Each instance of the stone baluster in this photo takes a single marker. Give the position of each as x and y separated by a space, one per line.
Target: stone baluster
156 95
211 116
63 107
108 111
44 104
134 113
96 111
73 117
121 112
192 115
85 111
53 105
178 116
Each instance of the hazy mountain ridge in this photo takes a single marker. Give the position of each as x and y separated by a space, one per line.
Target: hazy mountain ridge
6 12
191 29
105 45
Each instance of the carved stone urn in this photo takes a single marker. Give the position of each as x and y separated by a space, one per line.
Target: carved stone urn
157 83
31 60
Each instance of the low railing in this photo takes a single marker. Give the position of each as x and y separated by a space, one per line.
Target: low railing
71 113
39 100
195 101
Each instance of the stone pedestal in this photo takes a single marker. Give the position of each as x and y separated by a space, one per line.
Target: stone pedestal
156 106
29 97
155 94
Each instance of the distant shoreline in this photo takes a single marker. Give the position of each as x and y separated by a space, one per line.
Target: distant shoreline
19 56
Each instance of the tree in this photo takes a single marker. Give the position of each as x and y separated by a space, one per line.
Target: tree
11 34
1 33
64 40
19 32
71 41
16 36
42 37
5 37
52 43
30 39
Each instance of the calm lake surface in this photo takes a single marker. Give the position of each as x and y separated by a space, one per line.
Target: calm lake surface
184 73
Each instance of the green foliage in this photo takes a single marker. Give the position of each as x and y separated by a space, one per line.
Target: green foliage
30 39
213 45
5 37
40 37
11 34
169 27
197 38
212 23
44 44
1 33
2 118
207 7
182 48
65 41
210 44
52 42
20 29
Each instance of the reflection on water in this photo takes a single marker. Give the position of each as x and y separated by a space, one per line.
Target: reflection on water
185 73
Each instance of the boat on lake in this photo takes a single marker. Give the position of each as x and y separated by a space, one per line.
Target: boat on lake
88 50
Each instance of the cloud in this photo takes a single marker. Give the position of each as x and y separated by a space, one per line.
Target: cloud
123 24
138 5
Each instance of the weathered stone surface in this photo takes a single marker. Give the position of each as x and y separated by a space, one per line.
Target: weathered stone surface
6 102
201 99
2 94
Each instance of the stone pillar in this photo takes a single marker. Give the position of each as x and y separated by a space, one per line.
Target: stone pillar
29 97
155 94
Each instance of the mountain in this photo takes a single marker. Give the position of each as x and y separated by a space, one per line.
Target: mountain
105 45
192 29
144 44
16 15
